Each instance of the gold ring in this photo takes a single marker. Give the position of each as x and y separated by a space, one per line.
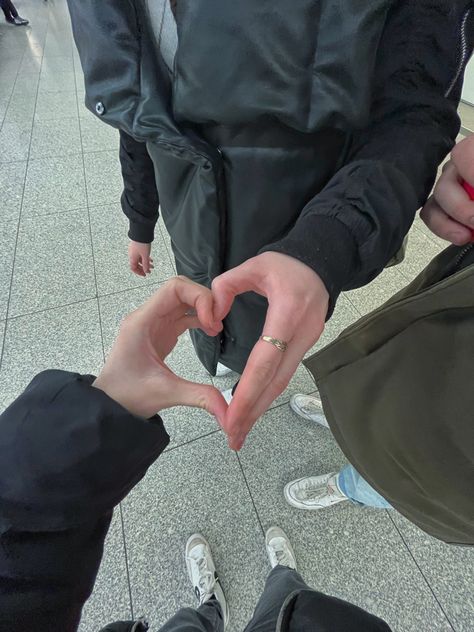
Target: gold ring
279 344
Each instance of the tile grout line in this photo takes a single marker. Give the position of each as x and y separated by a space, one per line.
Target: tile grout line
22 200
13 88
83 300
88 209
127 567
250 494
410 553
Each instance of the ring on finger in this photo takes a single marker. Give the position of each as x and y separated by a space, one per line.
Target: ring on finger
281 345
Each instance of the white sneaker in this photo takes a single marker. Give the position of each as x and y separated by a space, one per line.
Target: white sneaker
314 492
203 575
309 407
222 370
228 393
279 549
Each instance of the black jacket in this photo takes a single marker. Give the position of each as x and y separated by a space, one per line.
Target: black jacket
297 128
68 455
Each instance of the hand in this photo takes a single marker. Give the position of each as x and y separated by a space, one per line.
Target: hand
139 257
449 213
135 374
298 305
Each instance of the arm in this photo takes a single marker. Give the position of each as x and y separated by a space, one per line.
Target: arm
69 455
347 233
140 196
71 448
351 230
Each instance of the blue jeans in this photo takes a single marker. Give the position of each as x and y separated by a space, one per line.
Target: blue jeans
358 490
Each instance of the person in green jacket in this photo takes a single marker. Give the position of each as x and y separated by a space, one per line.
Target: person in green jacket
449 214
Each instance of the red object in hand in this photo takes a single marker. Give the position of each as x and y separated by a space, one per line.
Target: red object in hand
469 189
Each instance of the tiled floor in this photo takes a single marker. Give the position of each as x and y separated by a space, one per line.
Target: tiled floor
64 287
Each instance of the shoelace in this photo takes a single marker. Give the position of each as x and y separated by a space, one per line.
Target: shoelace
207 581
317 492
281 552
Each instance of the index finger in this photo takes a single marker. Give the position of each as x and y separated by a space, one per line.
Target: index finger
258 379
181 292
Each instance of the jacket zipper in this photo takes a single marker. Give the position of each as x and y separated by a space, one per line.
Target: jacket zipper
462 255
462 57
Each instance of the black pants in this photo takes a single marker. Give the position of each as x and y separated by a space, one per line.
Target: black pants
8 9
208 618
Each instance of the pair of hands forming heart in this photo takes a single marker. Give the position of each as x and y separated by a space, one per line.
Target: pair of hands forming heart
135 373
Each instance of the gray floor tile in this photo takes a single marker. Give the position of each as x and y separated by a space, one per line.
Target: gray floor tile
352 553
56 138
97 135
21 109
2 335
14 141
379 291
103 177
66 338
31 64
56 81
26 85
466 112
8 231
420 251
55 106
12 181
185 424
115 307
110 243
7 81
54 184
57 65
110 600
194 488
4 101
53 263
449 571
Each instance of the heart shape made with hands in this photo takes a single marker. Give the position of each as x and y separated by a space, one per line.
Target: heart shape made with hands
135 373
297 309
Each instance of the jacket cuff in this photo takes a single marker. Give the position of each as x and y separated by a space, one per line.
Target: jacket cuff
326 246
74 453
141 233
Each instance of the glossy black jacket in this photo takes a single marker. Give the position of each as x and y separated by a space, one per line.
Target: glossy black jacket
311 128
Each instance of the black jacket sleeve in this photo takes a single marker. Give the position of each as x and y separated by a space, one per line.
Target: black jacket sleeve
349 232
140 195
68 455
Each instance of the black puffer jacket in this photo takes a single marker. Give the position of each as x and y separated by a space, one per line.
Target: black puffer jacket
68 455
312 129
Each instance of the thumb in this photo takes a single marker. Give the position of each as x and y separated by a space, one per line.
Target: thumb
229 285
185 393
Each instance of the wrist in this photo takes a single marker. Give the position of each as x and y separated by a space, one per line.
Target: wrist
122 395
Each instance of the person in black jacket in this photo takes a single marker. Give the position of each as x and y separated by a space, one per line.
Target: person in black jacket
73 446
290 147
